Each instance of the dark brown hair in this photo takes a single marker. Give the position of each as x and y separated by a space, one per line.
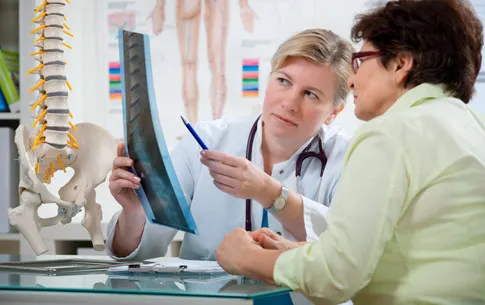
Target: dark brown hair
445 38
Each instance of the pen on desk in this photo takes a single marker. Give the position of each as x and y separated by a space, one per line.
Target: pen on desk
194 134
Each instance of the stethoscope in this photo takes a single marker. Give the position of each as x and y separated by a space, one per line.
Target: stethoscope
306 153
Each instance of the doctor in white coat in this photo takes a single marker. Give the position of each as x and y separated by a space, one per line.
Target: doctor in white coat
306 90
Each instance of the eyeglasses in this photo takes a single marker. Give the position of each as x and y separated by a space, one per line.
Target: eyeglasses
357 61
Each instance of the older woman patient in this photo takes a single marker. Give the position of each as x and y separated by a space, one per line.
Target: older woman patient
407 224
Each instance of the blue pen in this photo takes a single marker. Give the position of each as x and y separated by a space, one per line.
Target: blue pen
192 131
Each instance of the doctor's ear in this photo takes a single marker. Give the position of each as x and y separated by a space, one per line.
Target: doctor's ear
334 114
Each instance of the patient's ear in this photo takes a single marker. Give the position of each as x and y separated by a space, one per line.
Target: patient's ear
403 63
334 114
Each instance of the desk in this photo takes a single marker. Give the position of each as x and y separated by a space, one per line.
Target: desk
100 288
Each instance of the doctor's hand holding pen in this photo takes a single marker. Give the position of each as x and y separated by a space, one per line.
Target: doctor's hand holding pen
237 176
122 185
240 178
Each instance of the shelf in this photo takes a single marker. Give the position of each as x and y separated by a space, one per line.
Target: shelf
9 116
73 232
10 4
66 239
9 236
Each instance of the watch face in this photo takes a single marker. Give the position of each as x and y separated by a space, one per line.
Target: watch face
279 203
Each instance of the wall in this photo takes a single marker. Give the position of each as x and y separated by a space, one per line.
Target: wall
8 16
88 74
478 100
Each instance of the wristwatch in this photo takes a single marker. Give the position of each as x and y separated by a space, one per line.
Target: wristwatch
280 202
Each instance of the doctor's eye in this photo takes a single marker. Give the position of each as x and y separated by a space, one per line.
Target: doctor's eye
311 95
282 81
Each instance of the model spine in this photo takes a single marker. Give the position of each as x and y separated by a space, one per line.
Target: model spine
53 141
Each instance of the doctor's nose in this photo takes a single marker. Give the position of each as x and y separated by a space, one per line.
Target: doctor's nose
291 102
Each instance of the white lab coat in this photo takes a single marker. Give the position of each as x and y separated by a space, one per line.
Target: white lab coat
217 213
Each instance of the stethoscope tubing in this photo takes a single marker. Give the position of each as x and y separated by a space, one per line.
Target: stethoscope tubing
299 162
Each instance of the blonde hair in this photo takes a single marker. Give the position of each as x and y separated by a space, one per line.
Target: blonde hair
321 47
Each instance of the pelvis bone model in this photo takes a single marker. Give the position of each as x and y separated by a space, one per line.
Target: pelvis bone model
57 143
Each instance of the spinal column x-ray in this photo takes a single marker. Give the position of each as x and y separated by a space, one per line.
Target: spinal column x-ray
160 193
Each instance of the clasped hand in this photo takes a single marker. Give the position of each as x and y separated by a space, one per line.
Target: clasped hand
268 239
239 245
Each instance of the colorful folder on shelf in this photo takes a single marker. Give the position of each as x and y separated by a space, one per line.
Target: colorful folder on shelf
3 103
9 78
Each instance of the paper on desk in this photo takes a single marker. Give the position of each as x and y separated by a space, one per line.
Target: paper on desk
172 265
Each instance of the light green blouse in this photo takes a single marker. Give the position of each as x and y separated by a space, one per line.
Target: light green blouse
407 223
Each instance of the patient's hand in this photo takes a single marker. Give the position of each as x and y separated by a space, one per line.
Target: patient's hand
270 240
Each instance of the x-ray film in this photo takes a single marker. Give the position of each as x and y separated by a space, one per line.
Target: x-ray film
160 193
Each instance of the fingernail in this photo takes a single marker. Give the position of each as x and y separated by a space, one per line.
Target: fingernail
136 179
202 152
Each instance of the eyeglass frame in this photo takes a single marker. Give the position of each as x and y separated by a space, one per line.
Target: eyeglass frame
358 55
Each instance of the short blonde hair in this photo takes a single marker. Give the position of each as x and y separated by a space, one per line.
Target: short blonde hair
321 47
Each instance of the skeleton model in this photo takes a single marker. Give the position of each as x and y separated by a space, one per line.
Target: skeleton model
57 143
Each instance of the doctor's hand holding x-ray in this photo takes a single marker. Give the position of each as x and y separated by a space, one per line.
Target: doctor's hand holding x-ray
277 170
